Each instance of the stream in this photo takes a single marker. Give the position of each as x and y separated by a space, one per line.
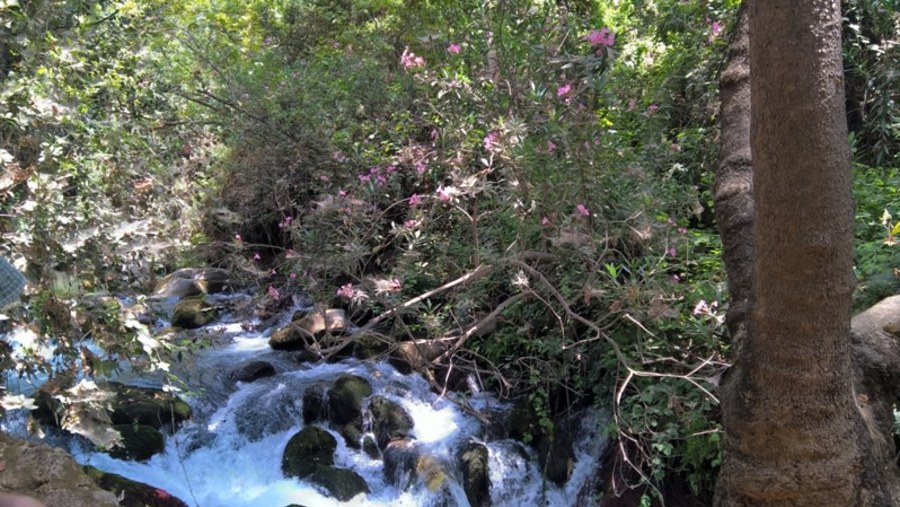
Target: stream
230 452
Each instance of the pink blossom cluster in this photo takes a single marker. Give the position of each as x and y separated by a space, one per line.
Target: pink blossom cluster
346 291
602 37
453 48
409 59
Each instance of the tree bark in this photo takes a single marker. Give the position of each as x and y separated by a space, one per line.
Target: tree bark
733 191
795 433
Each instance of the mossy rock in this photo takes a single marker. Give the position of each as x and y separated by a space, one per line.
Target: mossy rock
352 433
132 493
367 346
139 442
191 313
147 406
309 449
389 421
345 399
473 459
340 483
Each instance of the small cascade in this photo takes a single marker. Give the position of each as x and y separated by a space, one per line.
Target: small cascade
230 453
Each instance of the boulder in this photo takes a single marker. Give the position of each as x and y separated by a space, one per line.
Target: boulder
317 322
314 403
310 448
251 371
309 455
147 406
192 313
340 483
291 337
345 399
48 474
473 460
389 421
189 282
139 442
133 493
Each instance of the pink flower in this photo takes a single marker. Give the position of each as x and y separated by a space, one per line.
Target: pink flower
490 140
602 37
409 224
652 108
346 291
391 169
420 167
632 104
237 237
324 178
582 210
293 276
564 90
443 195
676 147
550 147
364 178
414 200
453 48
671 252
676 278
273 292
409 59
701 307
256 256
285 222
342 193
434 134
545 221
716 28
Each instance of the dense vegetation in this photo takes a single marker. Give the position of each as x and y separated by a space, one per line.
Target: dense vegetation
365 152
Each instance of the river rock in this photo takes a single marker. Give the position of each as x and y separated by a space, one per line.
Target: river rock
340 483
389 421
192 313
139 442
334 321
130 405
309 455
133 493
308 449
345 399
315 403
148 406
291 337
189 282
48 474
252 370
473 460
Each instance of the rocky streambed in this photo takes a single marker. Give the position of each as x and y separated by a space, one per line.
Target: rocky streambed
262 421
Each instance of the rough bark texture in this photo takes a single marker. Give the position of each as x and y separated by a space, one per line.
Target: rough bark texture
733 191
796 431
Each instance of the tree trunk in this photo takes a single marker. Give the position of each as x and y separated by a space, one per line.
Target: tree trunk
794 433
733 192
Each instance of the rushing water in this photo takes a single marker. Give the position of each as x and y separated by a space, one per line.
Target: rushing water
230 453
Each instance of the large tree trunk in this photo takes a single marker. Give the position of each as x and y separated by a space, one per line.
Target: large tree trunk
794 432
